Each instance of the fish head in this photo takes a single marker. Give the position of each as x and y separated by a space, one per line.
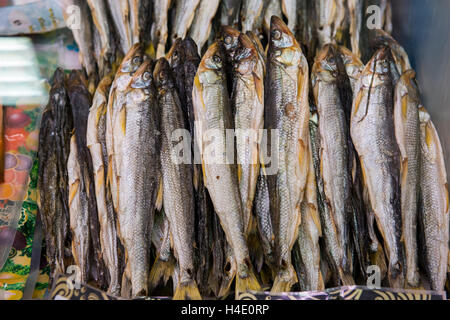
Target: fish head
245 56
255 40
407 85
229 38
378 69
325 66
133 59
352 63
190 49
175 56
211 68
162 74
282 44
142 78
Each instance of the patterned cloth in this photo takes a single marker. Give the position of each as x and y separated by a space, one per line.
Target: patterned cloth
16 270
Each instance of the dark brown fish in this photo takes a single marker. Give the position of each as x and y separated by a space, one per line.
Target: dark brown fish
80 100
54 144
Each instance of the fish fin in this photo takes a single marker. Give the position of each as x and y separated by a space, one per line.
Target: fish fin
321 283
227 278
159 197
73 189
284 280
187 291
347 279
378 258
248 283
161 271
446 199
195 178
255 248
316 219
357 103
150 51
259 86
239 172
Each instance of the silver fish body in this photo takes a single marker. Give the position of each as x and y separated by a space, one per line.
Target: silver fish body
407 133
434 216
140 175
287 113
372 132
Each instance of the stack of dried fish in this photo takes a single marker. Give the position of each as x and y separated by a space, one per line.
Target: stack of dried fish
291 164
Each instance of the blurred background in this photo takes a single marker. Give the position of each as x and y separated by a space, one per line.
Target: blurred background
423 28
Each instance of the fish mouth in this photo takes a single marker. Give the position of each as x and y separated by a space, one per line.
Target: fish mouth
190 47
276 23
175 46
328 51
145 66
382 54
245 49
136 48
229 31
161 70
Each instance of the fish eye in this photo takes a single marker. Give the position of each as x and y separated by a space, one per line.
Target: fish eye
228 39
175 54
217 59
276 34
146 76
137 60
161 74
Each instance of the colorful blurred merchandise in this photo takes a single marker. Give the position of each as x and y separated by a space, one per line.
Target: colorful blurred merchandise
31 17
15 272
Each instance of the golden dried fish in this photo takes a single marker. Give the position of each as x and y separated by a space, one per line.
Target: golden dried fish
248 103
116 101
335 158
407 133
79 213
120 13
178 193
287 112
140 176
353 66
434 216
96 142
308 236
184 14
201 26
372 132
160 31
213 116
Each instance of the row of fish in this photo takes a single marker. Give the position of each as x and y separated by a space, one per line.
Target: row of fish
359 174
105 30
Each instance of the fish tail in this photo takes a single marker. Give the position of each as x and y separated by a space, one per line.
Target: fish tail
284 280
187 291
226 284
347 279
161 272
247 283
255 248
